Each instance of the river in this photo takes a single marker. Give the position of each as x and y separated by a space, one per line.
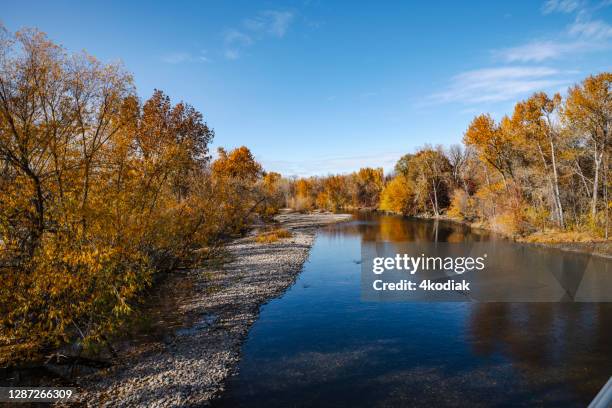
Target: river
320 344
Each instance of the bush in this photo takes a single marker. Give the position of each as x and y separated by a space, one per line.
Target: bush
272 236
462 206
71 291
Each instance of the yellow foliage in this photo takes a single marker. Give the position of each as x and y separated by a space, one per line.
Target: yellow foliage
369 183
269 237
300 195
237 164
236 177
356 190
274 198
397 196
555 236
462 206
101 196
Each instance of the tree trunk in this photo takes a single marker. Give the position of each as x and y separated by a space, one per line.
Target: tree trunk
605 192
606 163
436 211
595 186
556 185
486 171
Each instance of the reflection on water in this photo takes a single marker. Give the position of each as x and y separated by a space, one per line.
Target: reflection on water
566 344
376 227
320 345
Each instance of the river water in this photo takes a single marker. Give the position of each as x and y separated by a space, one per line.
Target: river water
320 344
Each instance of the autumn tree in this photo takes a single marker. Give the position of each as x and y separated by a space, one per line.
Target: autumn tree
459 160
368 185
236 175
403 164
273 189
535 129
588 112
398 196
493 143
429 170
302 195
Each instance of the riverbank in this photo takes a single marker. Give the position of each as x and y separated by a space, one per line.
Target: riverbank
569 242
188 365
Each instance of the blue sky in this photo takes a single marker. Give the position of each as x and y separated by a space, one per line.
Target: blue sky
318 87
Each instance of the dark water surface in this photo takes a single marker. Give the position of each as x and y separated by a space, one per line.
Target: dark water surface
320 345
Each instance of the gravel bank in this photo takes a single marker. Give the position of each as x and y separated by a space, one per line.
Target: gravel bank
188 367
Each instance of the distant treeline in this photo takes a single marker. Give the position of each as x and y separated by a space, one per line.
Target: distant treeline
100 192
545 167
360 189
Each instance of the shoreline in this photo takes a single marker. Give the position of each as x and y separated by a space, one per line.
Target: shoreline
190 365
602 248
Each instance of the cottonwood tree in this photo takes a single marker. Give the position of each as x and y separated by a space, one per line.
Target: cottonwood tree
588 112
536 131
430 169
403 164
493 143
459 161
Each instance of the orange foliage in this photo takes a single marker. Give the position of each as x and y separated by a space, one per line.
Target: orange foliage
99 193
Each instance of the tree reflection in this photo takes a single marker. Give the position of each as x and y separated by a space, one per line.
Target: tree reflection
550 343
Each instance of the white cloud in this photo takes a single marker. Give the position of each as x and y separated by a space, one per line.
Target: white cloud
235 37
176 58
231 54
235 41
560 6
268 23
583 35
279 22
500 84
590 29
332 164
273 22
538 51
507 83
183 57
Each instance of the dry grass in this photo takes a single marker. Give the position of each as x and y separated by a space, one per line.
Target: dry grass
268 237
553 237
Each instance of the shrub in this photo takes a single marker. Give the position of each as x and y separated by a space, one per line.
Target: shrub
462 206
269 237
